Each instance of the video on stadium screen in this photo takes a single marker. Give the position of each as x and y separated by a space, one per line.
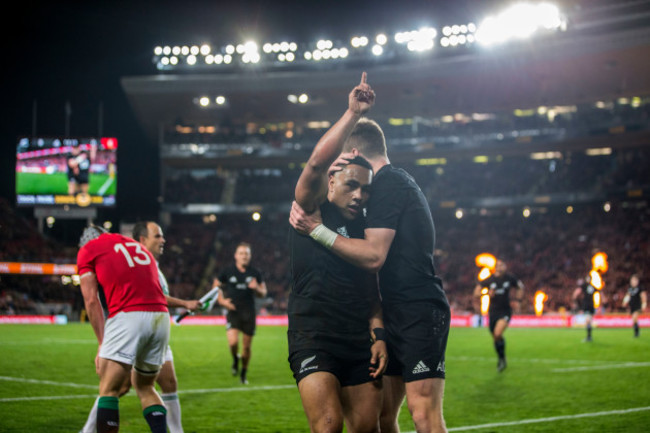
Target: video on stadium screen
72 171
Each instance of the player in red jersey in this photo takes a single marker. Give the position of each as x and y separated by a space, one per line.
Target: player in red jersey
136 331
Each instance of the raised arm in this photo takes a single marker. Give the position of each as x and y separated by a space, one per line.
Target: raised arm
311 188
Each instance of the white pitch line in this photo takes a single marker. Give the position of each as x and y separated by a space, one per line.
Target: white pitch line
47 397
243 388
548 419
602 367
105 186
531 360
48 382
187 391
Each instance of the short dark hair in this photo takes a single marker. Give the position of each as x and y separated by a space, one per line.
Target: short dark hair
361 161
141 229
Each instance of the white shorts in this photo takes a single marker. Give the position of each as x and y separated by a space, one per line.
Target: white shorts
137 338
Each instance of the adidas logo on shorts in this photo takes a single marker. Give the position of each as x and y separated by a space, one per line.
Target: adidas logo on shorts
421 367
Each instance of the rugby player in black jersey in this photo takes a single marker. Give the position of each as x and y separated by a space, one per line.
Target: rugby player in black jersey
499 285
637 300
583 296
398 243
336 338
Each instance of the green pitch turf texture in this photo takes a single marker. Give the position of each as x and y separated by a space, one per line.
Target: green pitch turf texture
57 183
554 382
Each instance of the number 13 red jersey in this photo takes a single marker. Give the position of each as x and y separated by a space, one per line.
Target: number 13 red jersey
127 272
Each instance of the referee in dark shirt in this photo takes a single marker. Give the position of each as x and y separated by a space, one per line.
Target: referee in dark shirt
500 311
398 244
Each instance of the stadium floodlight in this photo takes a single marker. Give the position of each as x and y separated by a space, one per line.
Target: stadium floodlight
459 213
292 98
220 100
267 48
327 54
218 59
303 99
205 49
446 30
324 44
526 212
307 55
293 46
444 42
290 57
204 101
471 27
167 50
227 59
381 39
519 21
230 49
195 50
284 46
173 60
176 50
240 49
281 57
185 50
158 51
164 61
191 60
317 55
343 53
209 59
377 50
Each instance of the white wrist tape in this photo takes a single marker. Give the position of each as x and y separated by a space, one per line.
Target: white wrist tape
323 236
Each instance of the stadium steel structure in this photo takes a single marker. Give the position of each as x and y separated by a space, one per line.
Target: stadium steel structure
602 55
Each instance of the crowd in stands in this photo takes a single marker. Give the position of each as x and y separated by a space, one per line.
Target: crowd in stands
550 250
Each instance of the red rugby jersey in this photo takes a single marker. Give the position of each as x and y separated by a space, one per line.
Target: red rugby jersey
127 272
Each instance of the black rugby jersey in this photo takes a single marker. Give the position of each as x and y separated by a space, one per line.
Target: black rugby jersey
500 287
587 302
328 294
234 285
396 202
635 297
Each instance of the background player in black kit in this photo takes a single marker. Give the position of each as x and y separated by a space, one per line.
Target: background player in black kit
78 170
336 347
583 296
637 299
398 244
499 285
240 283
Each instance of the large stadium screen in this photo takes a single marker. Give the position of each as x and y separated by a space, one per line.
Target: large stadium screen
72 171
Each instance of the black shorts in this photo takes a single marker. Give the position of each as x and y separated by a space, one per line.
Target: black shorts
80 179
416 334
244 320
634 307
498 315
349 371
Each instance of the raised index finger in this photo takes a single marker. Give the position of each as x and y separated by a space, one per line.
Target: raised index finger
364 77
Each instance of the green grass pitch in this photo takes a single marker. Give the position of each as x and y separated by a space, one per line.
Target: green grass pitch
57 183
553 382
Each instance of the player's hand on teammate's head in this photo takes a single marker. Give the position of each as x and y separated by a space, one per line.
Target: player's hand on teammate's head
342 161
362 97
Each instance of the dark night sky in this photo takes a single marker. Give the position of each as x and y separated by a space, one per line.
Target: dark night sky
78 51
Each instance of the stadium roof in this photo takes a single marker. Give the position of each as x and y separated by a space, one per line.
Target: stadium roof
572 68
